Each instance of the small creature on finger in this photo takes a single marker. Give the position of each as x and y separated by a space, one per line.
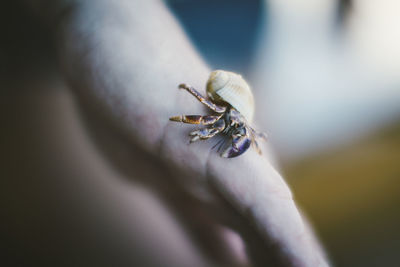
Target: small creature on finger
232 102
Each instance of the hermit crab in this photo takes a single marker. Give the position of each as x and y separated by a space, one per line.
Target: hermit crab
231 100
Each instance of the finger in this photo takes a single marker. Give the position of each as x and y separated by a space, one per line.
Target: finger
260 194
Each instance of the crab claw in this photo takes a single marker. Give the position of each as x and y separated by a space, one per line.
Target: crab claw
239 145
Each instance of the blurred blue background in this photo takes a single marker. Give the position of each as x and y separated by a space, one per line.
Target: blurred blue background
224 32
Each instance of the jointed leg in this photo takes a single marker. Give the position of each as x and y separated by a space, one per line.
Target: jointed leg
238 146
203 134
202 99
207 133
196 119
255 144
261 135
254 136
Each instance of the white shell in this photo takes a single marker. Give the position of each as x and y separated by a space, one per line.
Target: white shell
231 88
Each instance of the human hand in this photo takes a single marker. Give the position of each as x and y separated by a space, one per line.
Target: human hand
124 61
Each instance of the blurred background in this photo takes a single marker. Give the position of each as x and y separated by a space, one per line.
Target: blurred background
326 75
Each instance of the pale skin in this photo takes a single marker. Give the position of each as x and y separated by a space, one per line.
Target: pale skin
124 72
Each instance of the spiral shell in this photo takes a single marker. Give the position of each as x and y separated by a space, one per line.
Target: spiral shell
229 87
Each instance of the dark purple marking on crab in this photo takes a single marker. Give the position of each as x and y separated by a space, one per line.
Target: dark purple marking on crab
238 147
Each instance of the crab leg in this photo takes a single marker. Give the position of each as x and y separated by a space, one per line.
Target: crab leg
256 146
240 143
204 134
261 135
202 99
239 146
196 119
254 142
